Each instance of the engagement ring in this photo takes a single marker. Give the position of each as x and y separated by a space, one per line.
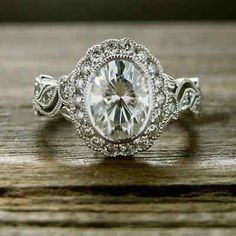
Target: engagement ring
118 97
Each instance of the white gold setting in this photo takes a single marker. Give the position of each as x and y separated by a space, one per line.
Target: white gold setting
129 69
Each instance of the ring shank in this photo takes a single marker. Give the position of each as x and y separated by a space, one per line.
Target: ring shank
46 101
188 95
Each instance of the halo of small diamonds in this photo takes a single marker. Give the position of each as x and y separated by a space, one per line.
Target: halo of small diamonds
164 104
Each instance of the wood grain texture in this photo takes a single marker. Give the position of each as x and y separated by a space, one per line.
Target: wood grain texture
52 184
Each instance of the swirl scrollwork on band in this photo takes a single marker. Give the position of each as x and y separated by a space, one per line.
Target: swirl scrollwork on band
188 95
46 100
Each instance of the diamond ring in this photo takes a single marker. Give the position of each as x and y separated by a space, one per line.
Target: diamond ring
118 97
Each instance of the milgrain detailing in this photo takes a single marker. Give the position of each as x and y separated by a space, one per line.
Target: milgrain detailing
118 97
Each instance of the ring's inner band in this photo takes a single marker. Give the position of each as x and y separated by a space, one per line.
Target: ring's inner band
46 100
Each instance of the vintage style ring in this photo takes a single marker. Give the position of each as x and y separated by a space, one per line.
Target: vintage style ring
118 97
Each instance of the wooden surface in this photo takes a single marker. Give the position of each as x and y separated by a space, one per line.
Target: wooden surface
52 184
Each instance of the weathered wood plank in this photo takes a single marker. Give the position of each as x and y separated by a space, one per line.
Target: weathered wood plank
53 231
43 154
185 184
86 211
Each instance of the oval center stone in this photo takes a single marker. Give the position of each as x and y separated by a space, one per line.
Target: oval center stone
118 100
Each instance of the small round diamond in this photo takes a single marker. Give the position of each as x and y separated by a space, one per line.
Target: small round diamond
142 56
79 115
84 69
159 82
160 98
153 69
110 47
96 55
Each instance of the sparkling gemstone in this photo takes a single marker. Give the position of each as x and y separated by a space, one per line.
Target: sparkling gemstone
153 69
96 55
77 100
159 82
160 98
142 56
119 100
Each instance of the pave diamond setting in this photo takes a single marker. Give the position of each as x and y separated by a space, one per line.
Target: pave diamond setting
118 100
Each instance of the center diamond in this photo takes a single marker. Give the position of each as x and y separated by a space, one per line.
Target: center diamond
118 100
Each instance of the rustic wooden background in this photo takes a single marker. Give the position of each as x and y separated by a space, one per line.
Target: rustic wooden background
51 184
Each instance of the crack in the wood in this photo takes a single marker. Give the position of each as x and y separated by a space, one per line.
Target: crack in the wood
122 224
177 190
